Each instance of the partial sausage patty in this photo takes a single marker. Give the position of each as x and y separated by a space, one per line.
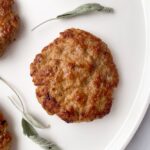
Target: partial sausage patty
9 24
75 76
5 137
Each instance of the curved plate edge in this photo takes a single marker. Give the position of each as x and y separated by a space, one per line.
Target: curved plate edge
126 132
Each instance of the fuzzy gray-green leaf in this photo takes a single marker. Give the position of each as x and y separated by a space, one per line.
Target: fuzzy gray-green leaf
45 144
34 121
32 134
28 129
81 10
84 9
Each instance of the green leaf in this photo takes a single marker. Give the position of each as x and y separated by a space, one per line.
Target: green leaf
32 134
81 10
84 9
34 121
45 144
28 129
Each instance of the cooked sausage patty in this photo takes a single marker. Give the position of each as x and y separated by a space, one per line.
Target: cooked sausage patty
5 138
75 76
9 23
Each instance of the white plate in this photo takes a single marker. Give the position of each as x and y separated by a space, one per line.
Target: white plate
125 32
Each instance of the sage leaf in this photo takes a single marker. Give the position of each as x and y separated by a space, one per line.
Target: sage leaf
81 10
34 121
32 134
84 9
28 130
43 143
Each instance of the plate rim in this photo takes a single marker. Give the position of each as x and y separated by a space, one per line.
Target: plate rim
123 138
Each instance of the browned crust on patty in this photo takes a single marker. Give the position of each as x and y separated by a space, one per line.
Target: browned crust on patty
9 24
75 76
5 137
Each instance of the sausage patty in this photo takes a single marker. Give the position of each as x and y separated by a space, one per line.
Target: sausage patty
5 137
9 23
75 76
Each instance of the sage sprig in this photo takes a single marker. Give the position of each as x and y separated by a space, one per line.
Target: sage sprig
18 103
81 10
32 134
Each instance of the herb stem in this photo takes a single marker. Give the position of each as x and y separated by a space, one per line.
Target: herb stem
15 104
15 92
43 23
20 106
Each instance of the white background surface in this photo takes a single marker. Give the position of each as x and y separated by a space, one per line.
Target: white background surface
124 33
141 140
